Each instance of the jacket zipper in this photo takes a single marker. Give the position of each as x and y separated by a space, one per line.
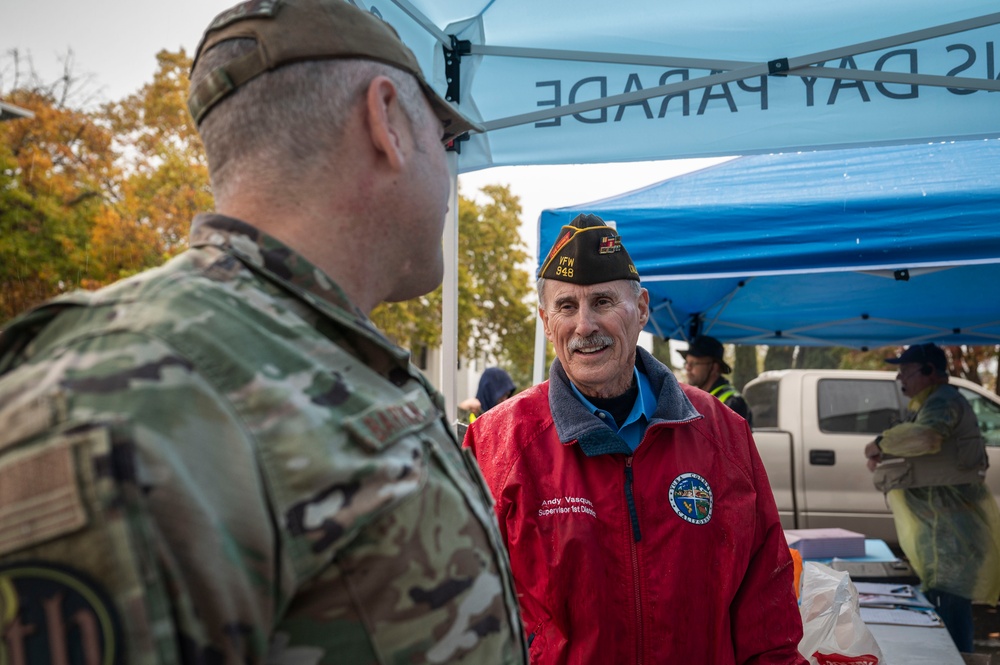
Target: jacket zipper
636 537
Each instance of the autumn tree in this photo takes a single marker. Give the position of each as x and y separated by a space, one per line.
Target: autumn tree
495 319
89 197
970 362
55 171
496 288
165 172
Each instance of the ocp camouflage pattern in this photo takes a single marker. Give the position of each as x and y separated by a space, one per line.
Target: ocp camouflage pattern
222 461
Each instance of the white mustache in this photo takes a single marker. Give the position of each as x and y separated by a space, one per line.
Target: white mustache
592 342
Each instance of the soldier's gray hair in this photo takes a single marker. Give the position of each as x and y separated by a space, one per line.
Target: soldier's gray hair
635 285
285 119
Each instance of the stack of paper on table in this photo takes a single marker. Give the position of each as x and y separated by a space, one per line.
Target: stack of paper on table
902 616
890 596
897 604
826 543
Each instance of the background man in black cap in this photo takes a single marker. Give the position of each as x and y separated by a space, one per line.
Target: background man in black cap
932 468
638 517
222 460
705 365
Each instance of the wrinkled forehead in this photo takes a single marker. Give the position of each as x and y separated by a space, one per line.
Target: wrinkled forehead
556 291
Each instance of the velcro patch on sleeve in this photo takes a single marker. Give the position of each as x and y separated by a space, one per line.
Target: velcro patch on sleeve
39 496
27 415
383 423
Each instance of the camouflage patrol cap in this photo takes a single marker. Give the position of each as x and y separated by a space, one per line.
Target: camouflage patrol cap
289 31
588 251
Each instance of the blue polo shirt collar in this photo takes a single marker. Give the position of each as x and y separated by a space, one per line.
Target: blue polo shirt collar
642 411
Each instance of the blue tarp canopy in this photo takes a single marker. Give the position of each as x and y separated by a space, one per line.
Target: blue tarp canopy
862 247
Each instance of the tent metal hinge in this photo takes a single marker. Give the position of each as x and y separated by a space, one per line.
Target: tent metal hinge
778 67
453 66
453 73
694 327
455 145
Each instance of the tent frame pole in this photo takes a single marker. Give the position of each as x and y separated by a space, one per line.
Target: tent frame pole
449 298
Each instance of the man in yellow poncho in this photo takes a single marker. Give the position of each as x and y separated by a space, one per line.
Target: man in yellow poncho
931 468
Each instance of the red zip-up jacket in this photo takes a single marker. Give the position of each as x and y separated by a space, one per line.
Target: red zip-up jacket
671 554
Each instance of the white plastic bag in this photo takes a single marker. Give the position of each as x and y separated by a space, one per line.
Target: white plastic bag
833 632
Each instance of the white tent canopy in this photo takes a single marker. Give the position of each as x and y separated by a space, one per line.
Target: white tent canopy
589 81
574 81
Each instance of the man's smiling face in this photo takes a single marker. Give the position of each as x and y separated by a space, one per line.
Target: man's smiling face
594 329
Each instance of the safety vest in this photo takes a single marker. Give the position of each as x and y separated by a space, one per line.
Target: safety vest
723 392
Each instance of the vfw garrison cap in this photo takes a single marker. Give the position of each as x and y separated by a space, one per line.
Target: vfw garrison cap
588 251
288 31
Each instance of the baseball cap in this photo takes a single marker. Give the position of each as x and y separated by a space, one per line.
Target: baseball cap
703 346
588 251
925 354
289 31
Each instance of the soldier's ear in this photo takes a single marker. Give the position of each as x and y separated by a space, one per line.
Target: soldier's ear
385 120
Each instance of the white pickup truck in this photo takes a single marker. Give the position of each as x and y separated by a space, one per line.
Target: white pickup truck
811 427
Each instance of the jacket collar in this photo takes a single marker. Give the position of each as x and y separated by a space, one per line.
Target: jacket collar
271 259
574 422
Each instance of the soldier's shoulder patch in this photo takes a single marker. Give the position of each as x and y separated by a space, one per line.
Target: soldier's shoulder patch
39 496
50 613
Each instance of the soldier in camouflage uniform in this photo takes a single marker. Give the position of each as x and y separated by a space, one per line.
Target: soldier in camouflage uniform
221 460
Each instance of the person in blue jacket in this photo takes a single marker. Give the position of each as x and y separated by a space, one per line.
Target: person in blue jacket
495 385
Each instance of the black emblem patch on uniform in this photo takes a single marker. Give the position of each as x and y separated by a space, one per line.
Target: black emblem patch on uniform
54 614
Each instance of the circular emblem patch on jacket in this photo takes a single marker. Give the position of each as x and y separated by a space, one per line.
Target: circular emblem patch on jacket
691 498
54 614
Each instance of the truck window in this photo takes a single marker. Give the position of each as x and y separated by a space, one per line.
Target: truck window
854 406
988 414
762 398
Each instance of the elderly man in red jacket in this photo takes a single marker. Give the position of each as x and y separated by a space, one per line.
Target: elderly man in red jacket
637 513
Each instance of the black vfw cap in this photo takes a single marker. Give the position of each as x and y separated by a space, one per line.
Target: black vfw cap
588 251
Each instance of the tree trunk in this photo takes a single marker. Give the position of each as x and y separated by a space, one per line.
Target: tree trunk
661 351
745 366
819 357
778 357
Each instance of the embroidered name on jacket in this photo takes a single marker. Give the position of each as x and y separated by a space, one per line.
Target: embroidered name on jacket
691 498
566 505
